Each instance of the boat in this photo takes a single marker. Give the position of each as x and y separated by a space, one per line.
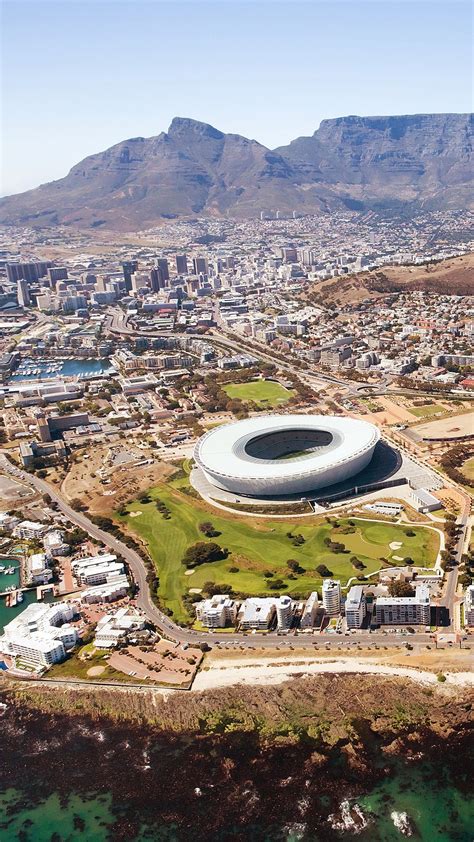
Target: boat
20 596
9 571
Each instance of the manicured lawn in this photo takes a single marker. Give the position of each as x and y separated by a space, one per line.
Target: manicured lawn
265 393
258 546
78 666
426 411
468 469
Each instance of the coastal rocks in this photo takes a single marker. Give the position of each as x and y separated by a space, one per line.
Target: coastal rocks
349 818
403 823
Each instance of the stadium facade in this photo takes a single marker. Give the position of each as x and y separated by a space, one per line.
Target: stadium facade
283 455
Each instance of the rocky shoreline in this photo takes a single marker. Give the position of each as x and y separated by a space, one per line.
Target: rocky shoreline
236 763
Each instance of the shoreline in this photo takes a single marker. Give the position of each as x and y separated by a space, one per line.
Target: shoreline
268 671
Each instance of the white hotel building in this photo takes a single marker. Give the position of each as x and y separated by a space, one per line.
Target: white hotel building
41 634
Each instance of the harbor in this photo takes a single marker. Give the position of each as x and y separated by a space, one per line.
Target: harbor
32 369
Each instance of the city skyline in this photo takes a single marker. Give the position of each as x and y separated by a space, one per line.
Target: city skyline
216 62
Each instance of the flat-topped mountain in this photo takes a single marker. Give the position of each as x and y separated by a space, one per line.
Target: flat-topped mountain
388 163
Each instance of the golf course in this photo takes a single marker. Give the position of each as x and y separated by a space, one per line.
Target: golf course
259 549
264 393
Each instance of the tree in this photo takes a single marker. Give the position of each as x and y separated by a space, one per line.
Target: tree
400 588
204 552
323 571
208 529
293 565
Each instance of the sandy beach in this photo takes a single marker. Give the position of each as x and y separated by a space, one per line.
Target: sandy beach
225 673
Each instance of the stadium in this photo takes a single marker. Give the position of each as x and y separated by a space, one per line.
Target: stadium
283 455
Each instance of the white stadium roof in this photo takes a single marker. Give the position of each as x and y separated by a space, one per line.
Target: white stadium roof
327 449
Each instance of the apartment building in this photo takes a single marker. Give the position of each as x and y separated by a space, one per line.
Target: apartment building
217 612
308 617
355 607
331 595
257 613
404 610
469 606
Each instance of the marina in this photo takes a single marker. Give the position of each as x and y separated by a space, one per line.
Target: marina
30 369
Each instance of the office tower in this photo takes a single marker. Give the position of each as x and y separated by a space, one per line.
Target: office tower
23 294
128 269
200 266
57 273
162 265
181 264
156 280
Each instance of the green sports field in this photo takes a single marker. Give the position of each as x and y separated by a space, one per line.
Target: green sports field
426 411
265 393
257 546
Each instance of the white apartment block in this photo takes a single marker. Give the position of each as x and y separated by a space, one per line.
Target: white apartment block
469 606
108 592
112 628
38 571
404 610
355 607
331 592
257 613
308 617
41 634
284 612
29 529
217 612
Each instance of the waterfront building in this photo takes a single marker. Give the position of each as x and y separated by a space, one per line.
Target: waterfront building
404 610
308 617
469 606
284 612
331 595
41 634
355 607
257 613
217 612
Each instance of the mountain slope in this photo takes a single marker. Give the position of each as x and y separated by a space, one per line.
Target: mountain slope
351 162
422 158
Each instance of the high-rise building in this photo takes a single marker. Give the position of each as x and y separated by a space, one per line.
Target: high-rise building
128 269
284 611
162 265
181 264
156 280
200 266
57 273
355 607
332 597
23 294
30 272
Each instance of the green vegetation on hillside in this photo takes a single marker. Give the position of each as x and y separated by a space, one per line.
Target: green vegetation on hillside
259 549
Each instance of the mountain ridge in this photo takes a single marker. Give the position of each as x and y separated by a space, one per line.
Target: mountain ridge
393 163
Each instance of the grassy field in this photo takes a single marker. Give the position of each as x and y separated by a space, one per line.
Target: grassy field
426 411
265 393
81 661
468 470
257 546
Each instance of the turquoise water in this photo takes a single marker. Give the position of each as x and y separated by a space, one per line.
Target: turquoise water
68 368
78 819
439 811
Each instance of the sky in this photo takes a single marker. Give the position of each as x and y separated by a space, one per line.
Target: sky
78 77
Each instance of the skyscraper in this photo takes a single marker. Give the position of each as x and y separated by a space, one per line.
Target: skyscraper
200 266
23 294
181 264
162 265
128 269
156 280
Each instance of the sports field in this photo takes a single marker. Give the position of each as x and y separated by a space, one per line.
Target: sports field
262 546
427 411
265 393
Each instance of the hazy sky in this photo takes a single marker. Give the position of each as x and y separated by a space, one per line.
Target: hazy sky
78 77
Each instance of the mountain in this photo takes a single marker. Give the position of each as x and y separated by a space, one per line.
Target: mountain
386 162
390 163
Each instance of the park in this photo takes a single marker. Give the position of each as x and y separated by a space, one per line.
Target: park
263 556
